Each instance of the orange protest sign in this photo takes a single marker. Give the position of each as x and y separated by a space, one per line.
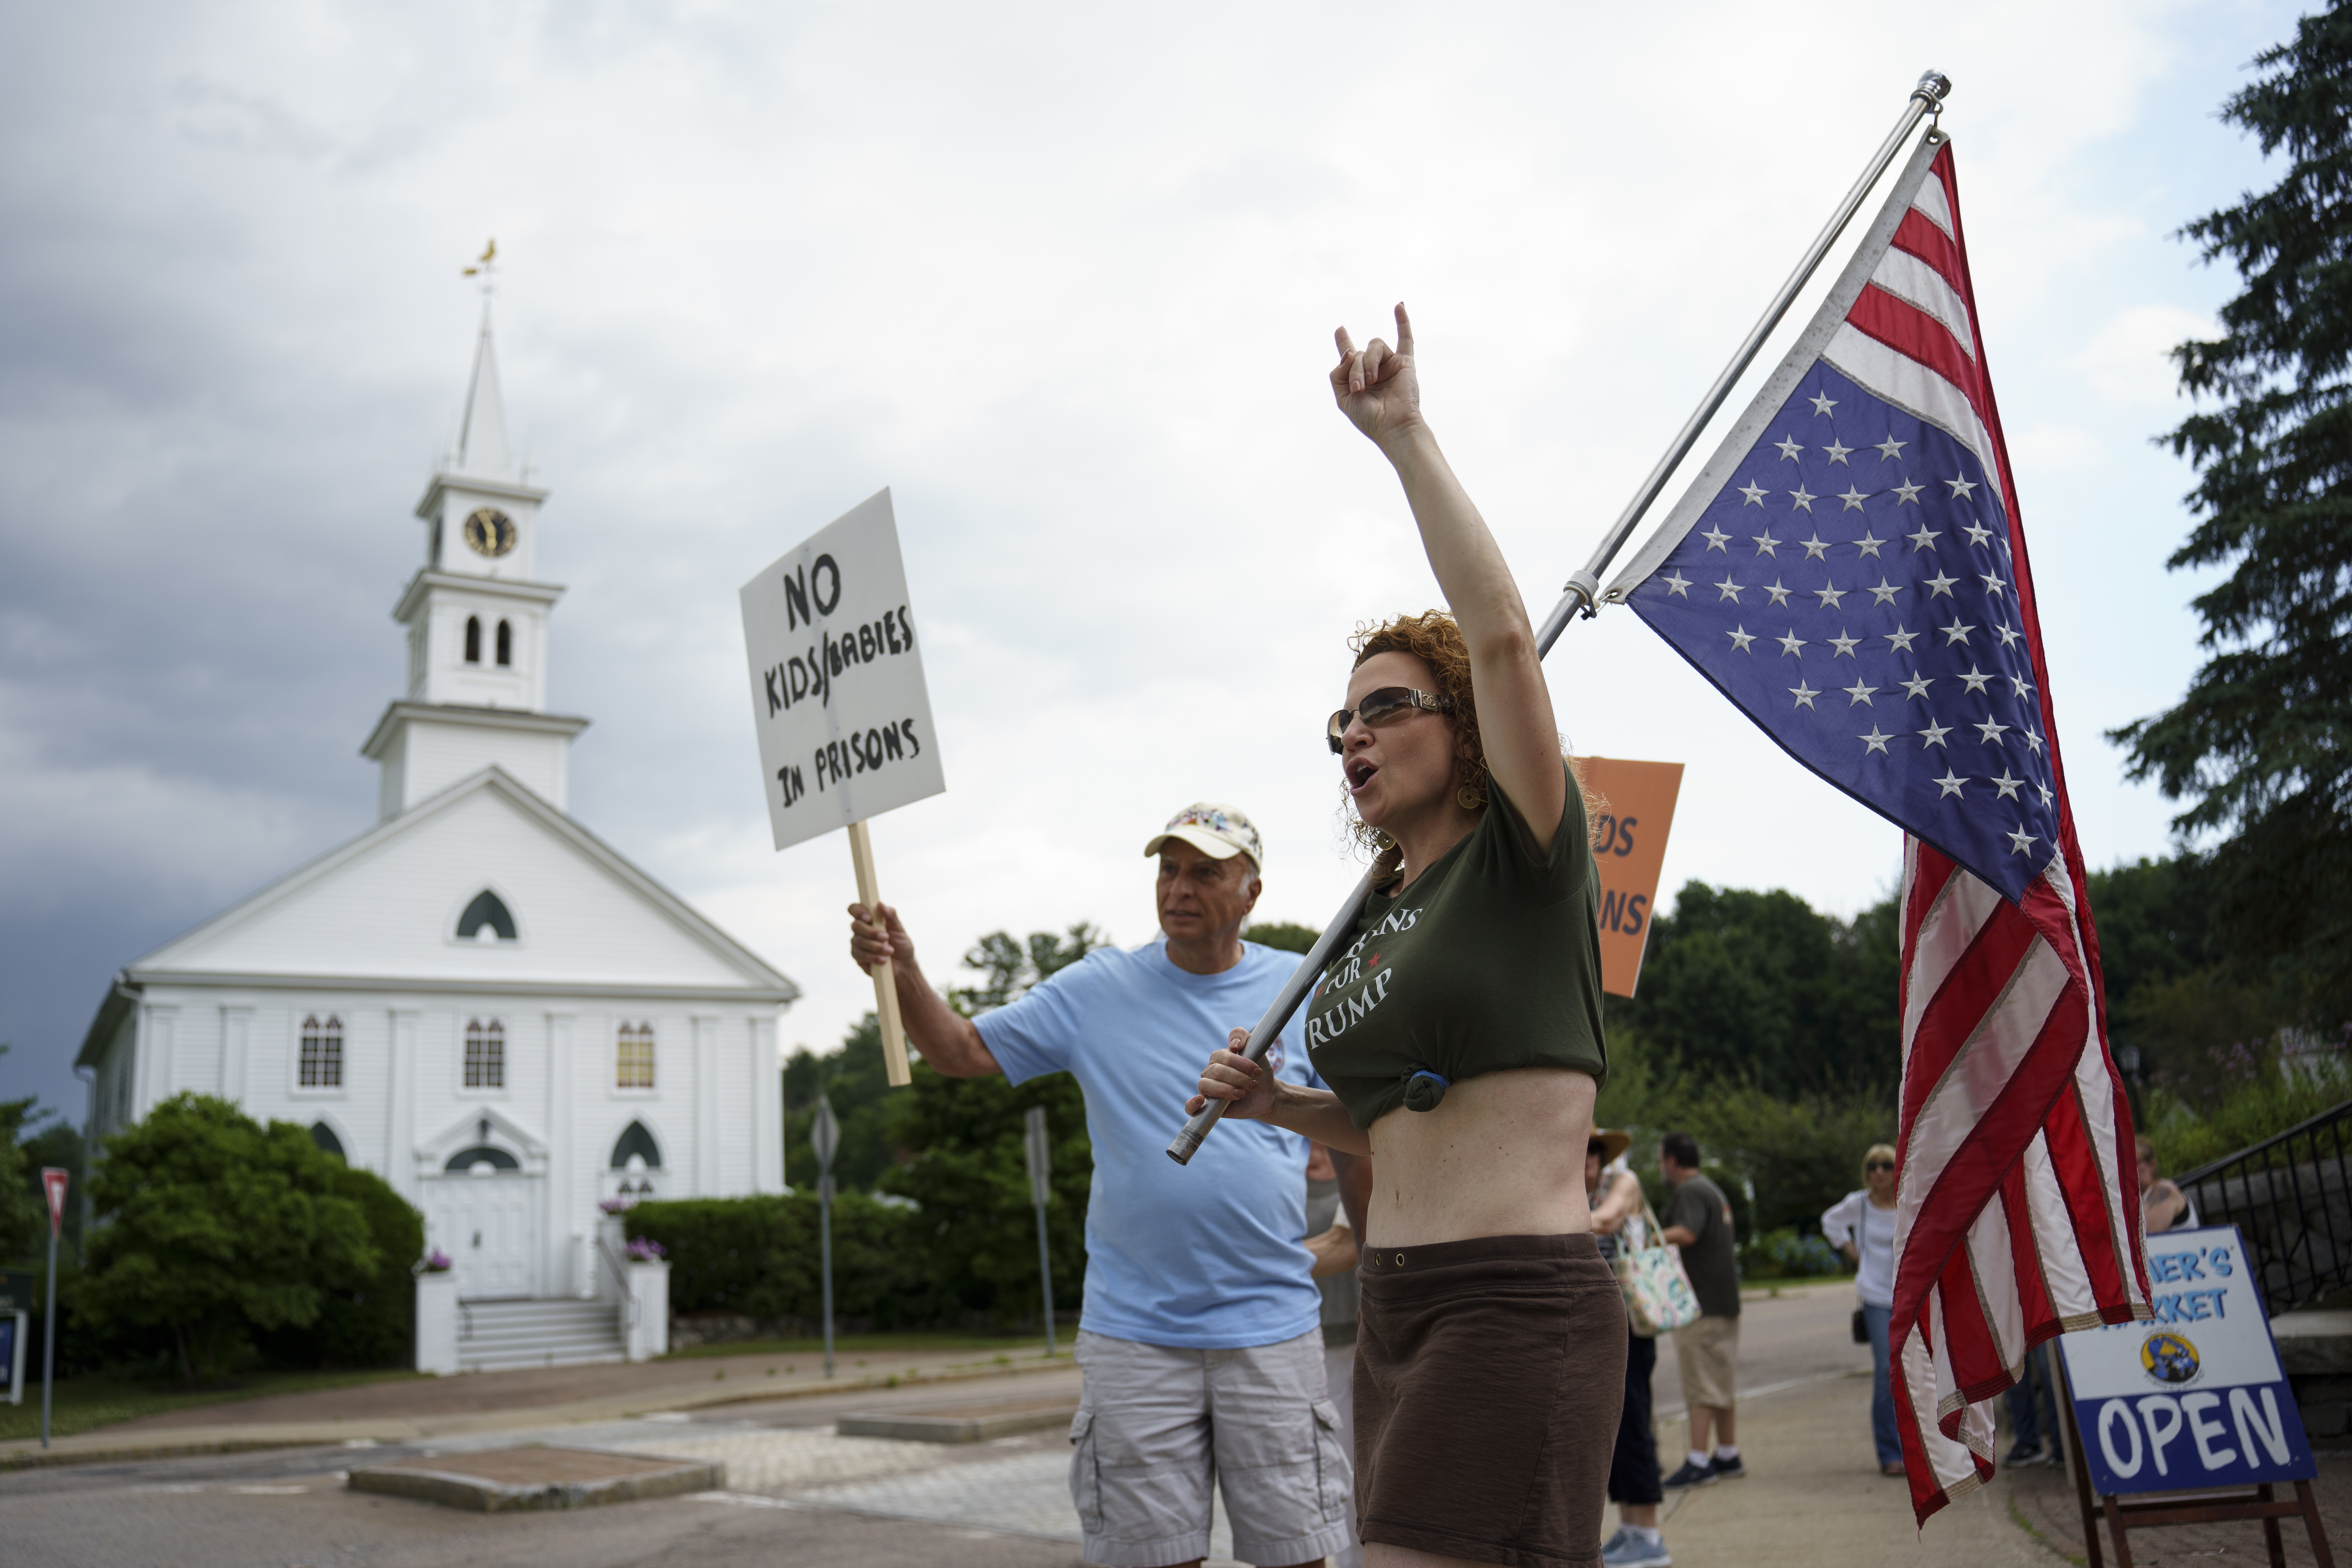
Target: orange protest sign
1628 844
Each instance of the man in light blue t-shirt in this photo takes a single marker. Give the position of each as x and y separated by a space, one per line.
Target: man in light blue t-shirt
1199 1337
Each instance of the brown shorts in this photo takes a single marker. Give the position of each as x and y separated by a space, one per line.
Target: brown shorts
1489 1375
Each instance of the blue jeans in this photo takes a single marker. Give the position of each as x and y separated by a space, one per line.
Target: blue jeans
2032 1407
1882 1395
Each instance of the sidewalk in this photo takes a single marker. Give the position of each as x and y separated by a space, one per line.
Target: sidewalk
409 1411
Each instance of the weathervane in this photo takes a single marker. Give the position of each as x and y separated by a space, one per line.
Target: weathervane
486 267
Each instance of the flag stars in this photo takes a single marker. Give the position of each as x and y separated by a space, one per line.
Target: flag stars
1907 493
2033 740
1831 595
1754 493
1844 644
1727 589
1961 489
2007 786
1740 637
1717 539
1875 742
2022 842
1976 678
1766 545
1816 548
1933 735
1804 498
2008 637
1677 586
1902 640
1790 446
1977 533
1993 585
1891 448
2047 797
1790 644
1991 729
1780 594
1923 540
1853 498
1957 632
1869 544
1804 695
1940 585
1824 404
1949 784
1885 591
1916 685
2023 686
1838 454
1861 694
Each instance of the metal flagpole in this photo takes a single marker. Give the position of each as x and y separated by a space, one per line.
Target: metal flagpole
825 1134
1039 1151
1583 590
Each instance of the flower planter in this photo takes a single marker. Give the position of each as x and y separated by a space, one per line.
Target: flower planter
436 1322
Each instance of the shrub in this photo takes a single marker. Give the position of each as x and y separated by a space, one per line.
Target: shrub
759 1257
372 1322
1783 1254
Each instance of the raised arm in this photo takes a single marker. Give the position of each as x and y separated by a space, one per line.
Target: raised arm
945 1037
1378 388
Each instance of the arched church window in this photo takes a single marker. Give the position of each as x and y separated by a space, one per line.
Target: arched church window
320 1064
632 1059
473 639
506 643
486 912
324 1137
486 1055
635 1142
497 1158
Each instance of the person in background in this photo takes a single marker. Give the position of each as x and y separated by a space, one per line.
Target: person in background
1862 1225
1336 1192
1615 1193
1707 1350
2162 1204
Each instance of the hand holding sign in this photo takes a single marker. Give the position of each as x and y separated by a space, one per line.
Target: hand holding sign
839 699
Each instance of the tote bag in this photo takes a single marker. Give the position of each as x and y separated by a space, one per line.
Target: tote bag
1658 1295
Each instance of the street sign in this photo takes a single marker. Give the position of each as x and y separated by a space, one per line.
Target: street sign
2196 1397
825 1132
13 1335
1040 1156
53 1183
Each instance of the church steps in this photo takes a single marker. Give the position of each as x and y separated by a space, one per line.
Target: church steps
507 1335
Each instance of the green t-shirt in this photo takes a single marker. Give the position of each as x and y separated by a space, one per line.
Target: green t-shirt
1711 1258
1489 961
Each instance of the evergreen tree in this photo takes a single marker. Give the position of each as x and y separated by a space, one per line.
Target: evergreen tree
2261 742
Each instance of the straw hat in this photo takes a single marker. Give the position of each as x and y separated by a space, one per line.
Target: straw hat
1614 1144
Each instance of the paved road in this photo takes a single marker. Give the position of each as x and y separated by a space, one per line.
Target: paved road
796 1495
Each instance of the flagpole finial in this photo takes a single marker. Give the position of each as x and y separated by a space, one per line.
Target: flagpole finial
1934 86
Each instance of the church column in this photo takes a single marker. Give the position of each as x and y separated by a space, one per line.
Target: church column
705 1107
766 1109
152 1080
236 1033
565 1224
400 1118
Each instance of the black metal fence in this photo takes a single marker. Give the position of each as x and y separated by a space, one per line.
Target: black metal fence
2291 1195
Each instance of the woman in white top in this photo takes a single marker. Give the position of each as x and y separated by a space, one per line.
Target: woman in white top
1861 1226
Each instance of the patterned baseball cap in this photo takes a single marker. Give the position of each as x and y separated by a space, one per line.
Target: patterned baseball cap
1220 832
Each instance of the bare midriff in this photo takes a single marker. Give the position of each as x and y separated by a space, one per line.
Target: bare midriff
1503 1154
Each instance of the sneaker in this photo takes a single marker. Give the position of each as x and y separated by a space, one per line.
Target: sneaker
1627 1549
1690 1475
1725 1470
2024 1454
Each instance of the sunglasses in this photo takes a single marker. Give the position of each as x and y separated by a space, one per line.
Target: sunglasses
1879 1166
1386 706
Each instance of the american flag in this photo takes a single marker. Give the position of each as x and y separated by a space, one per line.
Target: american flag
1849 571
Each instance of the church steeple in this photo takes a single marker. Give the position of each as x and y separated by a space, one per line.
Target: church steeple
477 620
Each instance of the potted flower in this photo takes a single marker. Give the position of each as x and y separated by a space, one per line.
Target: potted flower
616 1205
435 1262
644 1249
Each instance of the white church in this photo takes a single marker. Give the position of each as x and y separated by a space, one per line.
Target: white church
477 998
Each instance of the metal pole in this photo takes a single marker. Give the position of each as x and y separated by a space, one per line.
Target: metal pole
1037 1149
50 1337
1046 1276
824 1250
1583 590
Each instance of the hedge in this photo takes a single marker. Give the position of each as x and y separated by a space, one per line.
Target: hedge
759 1257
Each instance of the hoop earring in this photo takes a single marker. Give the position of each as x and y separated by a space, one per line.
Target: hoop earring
1469 797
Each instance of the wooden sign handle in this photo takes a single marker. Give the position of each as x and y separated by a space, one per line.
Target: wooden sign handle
886 985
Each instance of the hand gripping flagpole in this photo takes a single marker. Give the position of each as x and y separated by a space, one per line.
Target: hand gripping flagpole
1583 590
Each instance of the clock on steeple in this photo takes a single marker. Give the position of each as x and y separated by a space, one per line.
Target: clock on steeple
489 530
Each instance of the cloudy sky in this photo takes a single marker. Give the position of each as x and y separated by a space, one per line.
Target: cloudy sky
1065 279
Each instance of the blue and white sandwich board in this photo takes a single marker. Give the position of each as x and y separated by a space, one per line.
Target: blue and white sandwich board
2195 1398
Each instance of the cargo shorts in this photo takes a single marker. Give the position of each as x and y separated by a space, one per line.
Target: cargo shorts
1159 1426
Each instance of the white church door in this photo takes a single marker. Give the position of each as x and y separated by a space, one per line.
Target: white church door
485 1216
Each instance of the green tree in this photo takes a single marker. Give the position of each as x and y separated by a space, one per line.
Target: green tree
856 1082
23 1214
371 1320
214 1227
2262 741
1288 935
58 1143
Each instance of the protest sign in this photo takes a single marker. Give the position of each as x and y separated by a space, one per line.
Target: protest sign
2195 1398
838 700
1629 846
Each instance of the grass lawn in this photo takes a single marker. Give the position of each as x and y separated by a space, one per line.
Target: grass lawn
83 1404
881 1346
